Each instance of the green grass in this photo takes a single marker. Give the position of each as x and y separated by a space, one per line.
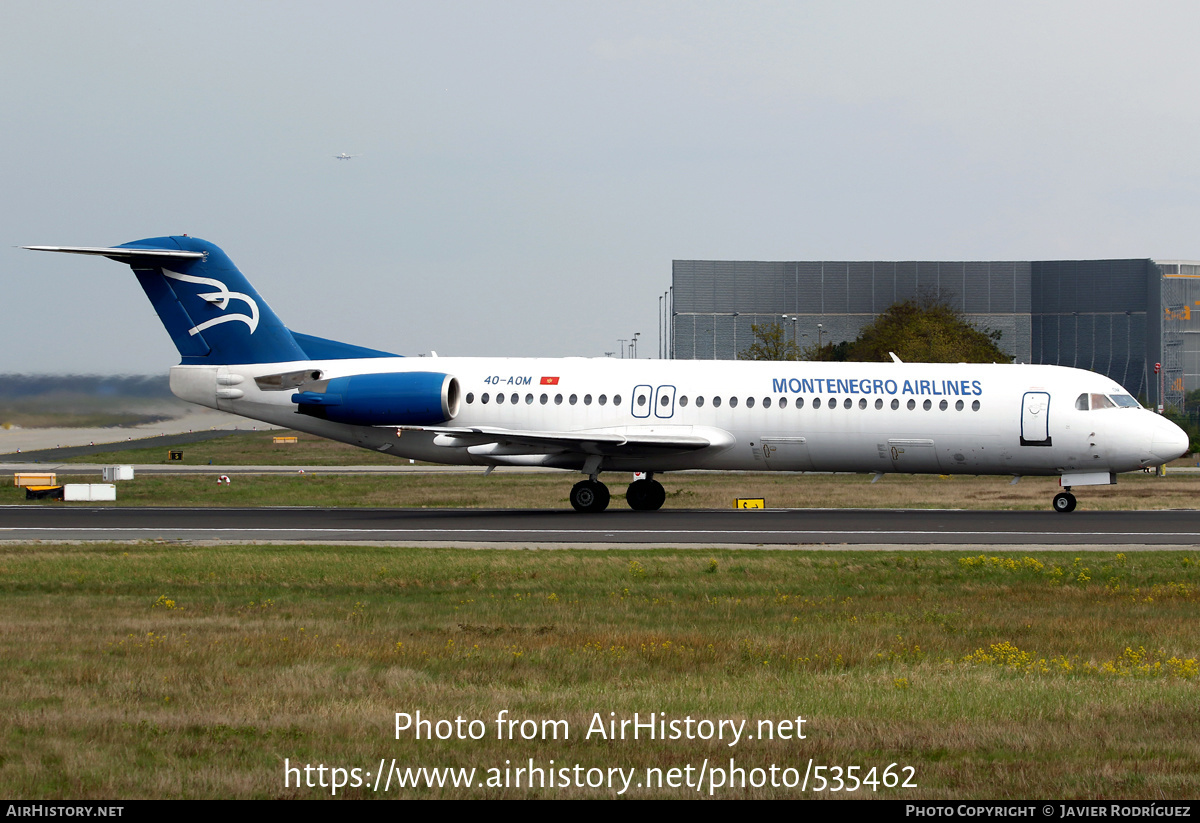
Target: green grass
694 490
252 449
177 671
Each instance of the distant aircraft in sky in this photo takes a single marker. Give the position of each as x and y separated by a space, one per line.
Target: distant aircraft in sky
344 156
594 415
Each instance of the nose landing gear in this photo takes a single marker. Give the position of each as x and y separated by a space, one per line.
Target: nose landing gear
1064 502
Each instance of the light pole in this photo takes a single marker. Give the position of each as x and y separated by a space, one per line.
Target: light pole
636 335
818 337
622 341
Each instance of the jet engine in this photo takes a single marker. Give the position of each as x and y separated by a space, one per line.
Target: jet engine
391 399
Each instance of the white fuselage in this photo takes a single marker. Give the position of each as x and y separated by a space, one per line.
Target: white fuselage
774 416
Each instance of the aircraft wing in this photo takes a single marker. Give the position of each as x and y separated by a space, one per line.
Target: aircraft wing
626 443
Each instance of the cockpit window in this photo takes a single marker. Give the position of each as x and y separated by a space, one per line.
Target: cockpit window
1081 402
1125 401
1099 401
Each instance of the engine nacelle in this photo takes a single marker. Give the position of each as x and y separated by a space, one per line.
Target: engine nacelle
391 399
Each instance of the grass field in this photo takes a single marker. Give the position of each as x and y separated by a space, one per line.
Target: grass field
174 671
511 489
698 490
254 449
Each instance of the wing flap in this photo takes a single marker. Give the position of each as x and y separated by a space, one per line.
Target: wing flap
487 440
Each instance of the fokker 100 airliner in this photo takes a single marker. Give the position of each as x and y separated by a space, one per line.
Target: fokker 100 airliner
642 416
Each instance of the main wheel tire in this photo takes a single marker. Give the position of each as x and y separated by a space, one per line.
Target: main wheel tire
645 495
589 496
1064 502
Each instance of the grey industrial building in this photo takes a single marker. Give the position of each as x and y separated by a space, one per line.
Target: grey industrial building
1115 317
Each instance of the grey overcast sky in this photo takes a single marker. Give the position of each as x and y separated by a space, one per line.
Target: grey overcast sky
529 170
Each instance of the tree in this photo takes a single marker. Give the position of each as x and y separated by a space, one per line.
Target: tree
921 330
827 351
926 330
770 343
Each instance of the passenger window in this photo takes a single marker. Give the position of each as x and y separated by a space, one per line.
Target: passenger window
470 398
558 399
603 400
484 399
799 402
529 400
733 402
587 399
616 399
862 404
783 402
832 403
927 404
1081 402
573 399
943 405
499 398
766 402
641 401
664 401
683 400
975 405
912 404
699 401
717 402
878 403
816 402
895 404
847 403
749 402
516 397
958 406
544 399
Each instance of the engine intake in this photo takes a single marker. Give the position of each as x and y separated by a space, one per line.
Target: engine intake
391 399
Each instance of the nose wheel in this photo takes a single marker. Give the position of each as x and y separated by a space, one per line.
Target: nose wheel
589 496
1064 502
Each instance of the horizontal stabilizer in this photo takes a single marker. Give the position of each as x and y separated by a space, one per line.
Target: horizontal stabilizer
122 254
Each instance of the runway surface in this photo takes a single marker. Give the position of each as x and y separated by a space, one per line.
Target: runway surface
475 527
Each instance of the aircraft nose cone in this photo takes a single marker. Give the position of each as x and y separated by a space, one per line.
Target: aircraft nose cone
1169 441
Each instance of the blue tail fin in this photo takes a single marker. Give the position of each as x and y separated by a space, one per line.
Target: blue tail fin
211 311
213 314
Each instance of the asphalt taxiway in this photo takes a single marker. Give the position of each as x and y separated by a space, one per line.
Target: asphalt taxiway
777 528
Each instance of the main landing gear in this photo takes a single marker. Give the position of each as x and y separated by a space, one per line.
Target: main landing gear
1064 502
644 495
589 496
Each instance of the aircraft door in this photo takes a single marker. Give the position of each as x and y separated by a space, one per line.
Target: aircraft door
913 455
786 454
1035 419
641 401
664 401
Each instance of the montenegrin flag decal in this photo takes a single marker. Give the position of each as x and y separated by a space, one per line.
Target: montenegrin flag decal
549 381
